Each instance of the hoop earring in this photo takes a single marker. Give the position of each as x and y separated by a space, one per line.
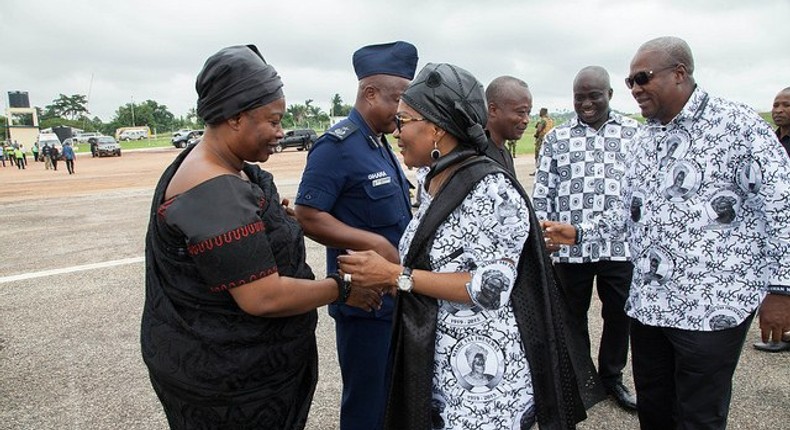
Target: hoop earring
435 153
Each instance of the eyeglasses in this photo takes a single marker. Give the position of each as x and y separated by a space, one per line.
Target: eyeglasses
643 77
400 121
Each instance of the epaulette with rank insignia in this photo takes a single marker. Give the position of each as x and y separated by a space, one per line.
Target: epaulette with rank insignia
343 132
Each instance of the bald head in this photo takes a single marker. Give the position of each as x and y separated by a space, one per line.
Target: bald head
500 87
509 105
593 73
592 91
660 77
674 49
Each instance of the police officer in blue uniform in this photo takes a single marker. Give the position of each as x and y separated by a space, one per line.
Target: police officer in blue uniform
355 196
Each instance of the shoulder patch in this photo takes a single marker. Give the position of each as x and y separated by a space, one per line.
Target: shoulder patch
343 131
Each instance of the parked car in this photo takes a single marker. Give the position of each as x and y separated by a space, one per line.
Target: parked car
181 132
84 136
182 140
300 139
133 135
106 145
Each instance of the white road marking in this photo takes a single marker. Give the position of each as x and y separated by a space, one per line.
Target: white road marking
32 275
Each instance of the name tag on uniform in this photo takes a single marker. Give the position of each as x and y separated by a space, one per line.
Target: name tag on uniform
381 181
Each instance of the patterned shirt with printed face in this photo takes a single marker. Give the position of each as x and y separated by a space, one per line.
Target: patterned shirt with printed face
481 376
579 178
705 206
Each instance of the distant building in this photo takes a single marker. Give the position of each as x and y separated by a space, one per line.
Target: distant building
21 119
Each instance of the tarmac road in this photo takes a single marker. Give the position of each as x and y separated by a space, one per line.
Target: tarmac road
69 340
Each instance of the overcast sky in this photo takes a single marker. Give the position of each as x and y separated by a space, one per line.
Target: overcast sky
120 51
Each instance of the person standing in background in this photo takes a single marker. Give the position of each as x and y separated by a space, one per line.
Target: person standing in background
509 104
19 155
542 128
34 150
68 155
54 155
781 116
582 161
780 113
46 152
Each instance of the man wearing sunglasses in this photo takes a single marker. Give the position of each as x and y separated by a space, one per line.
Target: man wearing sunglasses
355 196
509 104
581 164
687 332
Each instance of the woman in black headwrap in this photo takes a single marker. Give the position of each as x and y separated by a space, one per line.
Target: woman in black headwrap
479 338
228 327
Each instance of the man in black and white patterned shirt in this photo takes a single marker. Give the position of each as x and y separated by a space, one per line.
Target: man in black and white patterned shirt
705 255
581 165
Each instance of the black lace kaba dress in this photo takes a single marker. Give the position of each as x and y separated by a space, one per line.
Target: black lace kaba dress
211 364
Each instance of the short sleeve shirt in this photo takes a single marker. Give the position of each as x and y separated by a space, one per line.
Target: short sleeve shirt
355 176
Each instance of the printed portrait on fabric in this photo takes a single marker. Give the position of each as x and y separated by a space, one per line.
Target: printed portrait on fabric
478 365
682 182
657 268
490 285
673 147
722 210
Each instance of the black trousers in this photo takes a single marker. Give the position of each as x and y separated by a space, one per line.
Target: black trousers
613 282
70 166
683 378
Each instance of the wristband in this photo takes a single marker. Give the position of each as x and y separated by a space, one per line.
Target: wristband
343 288
782 290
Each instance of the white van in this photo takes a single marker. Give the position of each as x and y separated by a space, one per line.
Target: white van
133 135
49 139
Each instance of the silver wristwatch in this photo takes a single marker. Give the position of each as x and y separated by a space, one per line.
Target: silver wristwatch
405 281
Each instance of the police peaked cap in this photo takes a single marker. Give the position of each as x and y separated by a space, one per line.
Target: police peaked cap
396 59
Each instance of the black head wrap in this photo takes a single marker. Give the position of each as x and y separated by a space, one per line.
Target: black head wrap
234 80
453 99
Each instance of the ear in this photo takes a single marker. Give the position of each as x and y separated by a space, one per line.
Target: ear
235 122
681 73
369 92
491 109
611 92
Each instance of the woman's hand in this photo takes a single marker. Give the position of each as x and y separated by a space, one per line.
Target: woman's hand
370 270
557 233
288 210
365 299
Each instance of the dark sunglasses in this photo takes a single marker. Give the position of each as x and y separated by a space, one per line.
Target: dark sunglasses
400 121
643 77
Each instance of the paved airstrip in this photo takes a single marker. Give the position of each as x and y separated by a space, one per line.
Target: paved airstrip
71 294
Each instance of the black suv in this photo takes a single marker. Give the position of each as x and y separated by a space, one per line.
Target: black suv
181 140
301 139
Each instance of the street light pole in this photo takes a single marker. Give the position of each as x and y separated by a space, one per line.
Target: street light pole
133 111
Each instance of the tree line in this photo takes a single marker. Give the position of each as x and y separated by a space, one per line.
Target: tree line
72 110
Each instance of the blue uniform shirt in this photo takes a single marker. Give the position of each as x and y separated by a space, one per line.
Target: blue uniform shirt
356 177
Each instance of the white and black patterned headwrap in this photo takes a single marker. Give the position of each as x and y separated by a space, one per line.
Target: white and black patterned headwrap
453 99
234 80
